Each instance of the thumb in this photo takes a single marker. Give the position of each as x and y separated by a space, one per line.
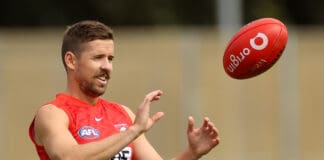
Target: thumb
153 119
157 116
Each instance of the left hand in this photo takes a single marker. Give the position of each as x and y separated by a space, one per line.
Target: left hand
201 140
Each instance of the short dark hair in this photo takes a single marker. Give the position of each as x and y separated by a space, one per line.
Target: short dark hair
82 32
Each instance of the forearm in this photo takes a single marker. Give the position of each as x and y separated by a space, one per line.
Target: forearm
187 154
103 149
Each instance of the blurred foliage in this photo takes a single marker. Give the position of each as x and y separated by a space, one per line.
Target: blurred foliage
151 12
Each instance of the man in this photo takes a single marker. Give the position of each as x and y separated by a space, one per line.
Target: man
80 125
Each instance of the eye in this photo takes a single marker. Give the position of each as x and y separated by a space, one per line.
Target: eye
98 57
110 58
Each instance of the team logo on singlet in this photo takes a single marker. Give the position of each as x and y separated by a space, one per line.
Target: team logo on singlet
88 132
121 127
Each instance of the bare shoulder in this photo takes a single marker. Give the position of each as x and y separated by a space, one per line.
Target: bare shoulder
49 112
49 119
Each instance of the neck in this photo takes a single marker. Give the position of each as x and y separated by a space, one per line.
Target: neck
88 99
77 93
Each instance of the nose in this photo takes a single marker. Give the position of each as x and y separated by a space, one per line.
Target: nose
107 66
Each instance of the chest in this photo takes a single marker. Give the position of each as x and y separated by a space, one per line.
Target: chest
92 125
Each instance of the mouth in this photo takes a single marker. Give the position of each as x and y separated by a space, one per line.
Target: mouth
103 79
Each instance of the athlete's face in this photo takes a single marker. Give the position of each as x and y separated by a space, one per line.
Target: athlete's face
94 67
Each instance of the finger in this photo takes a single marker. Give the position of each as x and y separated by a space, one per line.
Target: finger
154 95
204 126
157 116
214 136
157 95
205 123
213 132
216 131
191 122
215 142
210 126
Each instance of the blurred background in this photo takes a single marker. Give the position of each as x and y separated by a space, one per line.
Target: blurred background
176 46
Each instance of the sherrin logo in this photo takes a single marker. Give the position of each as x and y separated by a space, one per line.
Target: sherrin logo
258 42
88 132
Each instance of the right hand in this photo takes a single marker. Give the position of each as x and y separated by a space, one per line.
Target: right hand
143 120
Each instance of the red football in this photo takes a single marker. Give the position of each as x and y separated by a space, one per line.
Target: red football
255 48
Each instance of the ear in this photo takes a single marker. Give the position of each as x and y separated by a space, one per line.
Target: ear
70 60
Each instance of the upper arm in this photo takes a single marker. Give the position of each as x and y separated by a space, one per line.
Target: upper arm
142 147
51 131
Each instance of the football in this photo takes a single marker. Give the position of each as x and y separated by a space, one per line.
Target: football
255 48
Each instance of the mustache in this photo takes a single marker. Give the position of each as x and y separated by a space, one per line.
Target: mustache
104 73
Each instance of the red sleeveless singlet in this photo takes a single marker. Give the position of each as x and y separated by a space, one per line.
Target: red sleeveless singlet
90 123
